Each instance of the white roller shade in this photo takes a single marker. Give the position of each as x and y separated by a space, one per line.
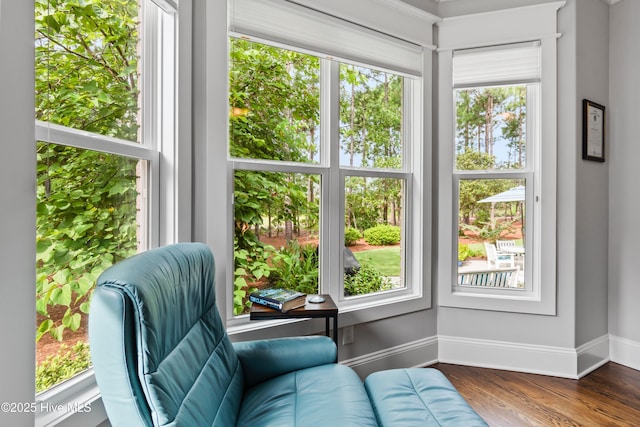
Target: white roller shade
290 24
516 63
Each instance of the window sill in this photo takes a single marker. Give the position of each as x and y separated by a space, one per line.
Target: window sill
78 397
366 311
498 302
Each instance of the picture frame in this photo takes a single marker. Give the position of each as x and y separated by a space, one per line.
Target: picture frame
593 131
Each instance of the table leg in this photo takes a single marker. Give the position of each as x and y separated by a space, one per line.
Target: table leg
326 326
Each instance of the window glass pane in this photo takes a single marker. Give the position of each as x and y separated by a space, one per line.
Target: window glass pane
89 216
491 128
491 233
274 98
276 238
373 235
370 118
87 66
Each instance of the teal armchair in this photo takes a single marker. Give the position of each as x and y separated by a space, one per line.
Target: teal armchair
162 357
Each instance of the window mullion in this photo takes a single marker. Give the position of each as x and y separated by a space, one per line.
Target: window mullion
333 189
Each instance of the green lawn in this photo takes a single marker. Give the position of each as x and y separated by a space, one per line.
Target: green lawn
385 260
478 248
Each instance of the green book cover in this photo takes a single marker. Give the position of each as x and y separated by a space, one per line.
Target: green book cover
278 298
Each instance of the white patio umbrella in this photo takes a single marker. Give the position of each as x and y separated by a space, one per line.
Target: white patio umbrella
515 194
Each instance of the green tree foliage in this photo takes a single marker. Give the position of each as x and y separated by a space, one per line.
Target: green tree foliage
480 113
514 129
86 65
473 190
274 115
371 136
274 99
86 79
371 113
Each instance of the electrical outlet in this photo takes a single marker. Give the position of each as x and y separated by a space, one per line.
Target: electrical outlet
347 335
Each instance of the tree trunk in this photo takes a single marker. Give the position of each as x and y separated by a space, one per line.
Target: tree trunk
352 142
488 125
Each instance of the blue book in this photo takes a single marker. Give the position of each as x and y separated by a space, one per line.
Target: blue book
281 299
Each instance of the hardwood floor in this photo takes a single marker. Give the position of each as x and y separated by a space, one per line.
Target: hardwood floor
609 396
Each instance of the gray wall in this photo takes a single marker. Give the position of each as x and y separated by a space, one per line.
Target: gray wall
536 329
592 178
582 198
17 211
624 179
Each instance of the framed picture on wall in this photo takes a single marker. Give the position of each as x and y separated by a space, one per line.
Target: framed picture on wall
593 131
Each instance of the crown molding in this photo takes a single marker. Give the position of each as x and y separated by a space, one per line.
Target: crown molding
411 10
392 17
608 2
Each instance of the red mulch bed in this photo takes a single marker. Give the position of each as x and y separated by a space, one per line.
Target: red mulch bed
280 241
49 345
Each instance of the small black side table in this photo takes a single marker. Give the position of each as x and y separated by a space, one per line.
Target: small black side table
326 309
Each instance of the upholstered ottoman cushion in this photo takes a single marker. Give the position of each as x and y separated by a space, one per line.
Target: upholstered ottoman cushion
418 397
322 396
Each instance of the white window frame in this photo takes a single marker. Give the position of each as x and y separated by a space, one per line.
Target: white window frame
416 294
502 27
529 172
166 52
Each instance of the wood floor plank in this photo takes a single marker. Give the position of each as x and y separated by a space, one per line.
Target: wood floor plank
609 396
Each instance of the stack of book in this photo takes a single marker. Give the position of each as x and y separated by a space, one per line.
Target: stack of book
280 299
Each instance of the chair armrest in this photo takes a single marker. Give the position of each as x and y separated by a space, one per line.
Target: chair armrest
264 359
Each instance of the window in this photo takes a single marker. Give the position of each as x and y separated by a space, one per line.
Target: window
321 138
284 172
100 82
497 151
496 92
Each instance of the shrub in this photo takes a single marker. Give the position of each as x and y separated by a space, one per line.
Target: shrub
351 236
296 267
66 363
367 280
464 252
382 235
251 267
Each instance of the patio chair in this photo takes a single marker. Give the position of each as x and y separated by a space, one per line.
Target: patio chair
497 260
503 245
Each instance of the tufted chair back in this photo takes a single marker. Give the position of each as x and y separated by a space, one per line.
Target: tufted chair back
159 348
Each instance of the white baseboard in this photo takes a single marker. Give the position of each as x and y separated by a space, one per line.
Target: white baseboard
624 351
535 359
592 355
420 353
